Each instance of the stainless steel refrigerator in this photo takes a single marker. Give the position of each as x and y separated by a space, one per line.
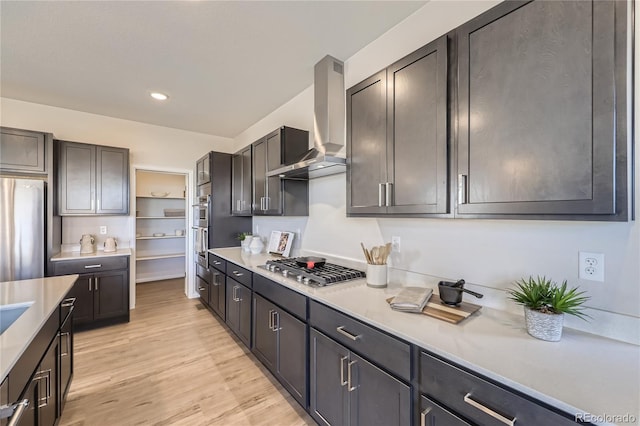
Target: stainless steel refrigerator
22 228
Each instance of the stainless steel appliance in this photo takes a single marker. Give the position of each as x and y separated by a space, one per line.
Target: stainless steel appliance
201 245
319 276
202 206
22 228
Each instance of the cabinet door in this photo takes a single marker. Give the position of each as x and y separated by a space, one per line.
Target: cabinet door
274 183
417 132
259 177
111 294
22 151
245 200
244 330
217 293
538 104
233 307
292 354
367 145
203 291
376 398
112 180
431 414
236 184
203 170
265 335
47 374
77 174
83 292
66 358
328 377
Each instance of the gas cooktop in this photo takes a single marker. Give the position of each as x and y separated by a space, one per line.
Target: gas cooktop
320 276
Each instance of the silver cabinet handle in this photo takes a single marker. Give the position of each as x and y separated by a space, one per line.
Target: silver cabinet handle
67 338
462 189
351 388
237 274
90 283
200 288
18 409
46 375
423 416
475 404
97 265
387 191
238 205
276 321
92 203
342 380
271 319
380 196
344 332
217 263
235 293
96 281
267 203
68 302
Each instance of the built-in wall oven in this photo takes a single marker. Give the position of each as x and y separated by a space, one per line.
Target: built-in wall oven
202 206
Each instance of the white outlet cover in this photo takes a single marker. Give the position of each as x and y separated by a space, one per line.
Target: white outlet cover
591 266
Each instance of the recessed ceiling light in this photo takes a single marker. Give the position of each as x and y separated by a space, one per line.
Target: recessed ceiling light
159 96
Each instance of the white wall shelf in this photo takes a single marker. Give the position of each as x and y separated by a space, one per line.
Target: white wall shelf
160 238
160 258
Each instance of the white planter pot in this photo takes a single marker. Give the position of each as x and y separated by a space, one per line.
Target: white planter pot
245 244
543 326
256 245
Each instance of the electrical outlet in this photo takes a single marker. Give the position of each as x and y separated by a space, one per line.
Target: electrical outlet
103 230
395 244
591 266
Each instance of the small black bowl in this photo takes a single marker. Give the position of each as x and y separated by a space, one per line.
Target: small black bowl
449 293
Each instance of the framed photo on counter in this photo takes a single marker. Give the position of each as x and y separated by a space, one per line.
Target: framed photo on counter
280 243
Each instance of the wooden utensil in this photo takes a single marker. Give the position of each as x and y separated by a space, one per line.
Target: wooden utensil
367 256
374 255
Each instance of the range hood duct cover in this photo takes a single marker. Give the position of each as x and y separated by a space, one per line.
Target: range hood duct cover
329 112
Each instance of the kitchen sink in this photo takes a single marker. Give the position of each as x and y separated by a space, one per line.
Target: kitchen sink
10 313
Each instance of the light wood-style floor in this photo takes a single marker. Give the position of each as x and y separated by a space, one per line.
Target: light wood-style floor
173 364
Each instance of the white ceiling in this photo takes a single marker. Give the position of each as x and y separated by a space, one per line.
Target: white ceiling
225 65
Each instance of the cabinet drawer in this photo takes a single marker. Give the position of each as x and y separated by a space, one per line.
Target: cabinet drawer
480 400
217 262
94 264
238 273
381 348
293 302
203 273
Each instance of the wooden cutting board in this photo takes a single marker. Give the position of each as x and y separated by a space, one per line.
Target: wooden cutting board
453 314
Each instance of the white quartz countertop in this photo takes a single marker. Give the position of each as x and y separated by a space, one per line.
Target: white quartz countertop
46 294
75 255
583 373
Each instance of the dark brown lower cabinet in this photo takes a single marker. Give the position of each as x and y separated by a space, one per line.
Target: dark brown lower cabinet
279 342
239 310
101 296
346 389
217 293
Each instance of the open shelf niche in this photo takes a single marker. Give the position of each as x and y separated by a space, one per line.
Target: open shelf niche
161 225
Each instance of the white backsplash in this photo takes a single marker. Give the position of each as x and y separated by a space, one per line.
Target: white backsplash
73 227
263 226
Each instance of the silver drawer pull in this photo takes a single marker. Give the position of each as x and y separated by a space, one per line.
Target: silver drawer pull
237 274
344 332
17 409
66 303
97 265
67 338
200 288
423 416
475 404
215 262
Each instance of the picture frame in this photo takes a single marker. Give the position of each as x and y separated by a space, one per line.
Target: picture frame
280 243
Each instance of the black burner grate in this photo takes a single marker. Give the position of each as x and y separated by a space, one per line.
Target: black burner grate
327 274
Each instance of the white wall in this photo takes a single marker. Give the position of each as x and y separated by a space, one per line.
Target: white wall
489 254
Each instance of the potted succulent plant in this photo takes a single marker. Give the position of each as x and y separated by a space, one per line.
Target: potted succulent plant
245 240
545 304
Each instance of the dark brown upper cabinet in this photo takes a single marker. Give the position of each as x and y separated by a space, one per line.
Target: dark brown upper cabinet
273 196
542 113
397 145
241 183
92 179
23 151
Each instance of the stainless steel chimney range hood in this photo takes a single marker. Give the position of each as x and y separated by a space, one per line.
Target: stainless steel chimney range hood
329 110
